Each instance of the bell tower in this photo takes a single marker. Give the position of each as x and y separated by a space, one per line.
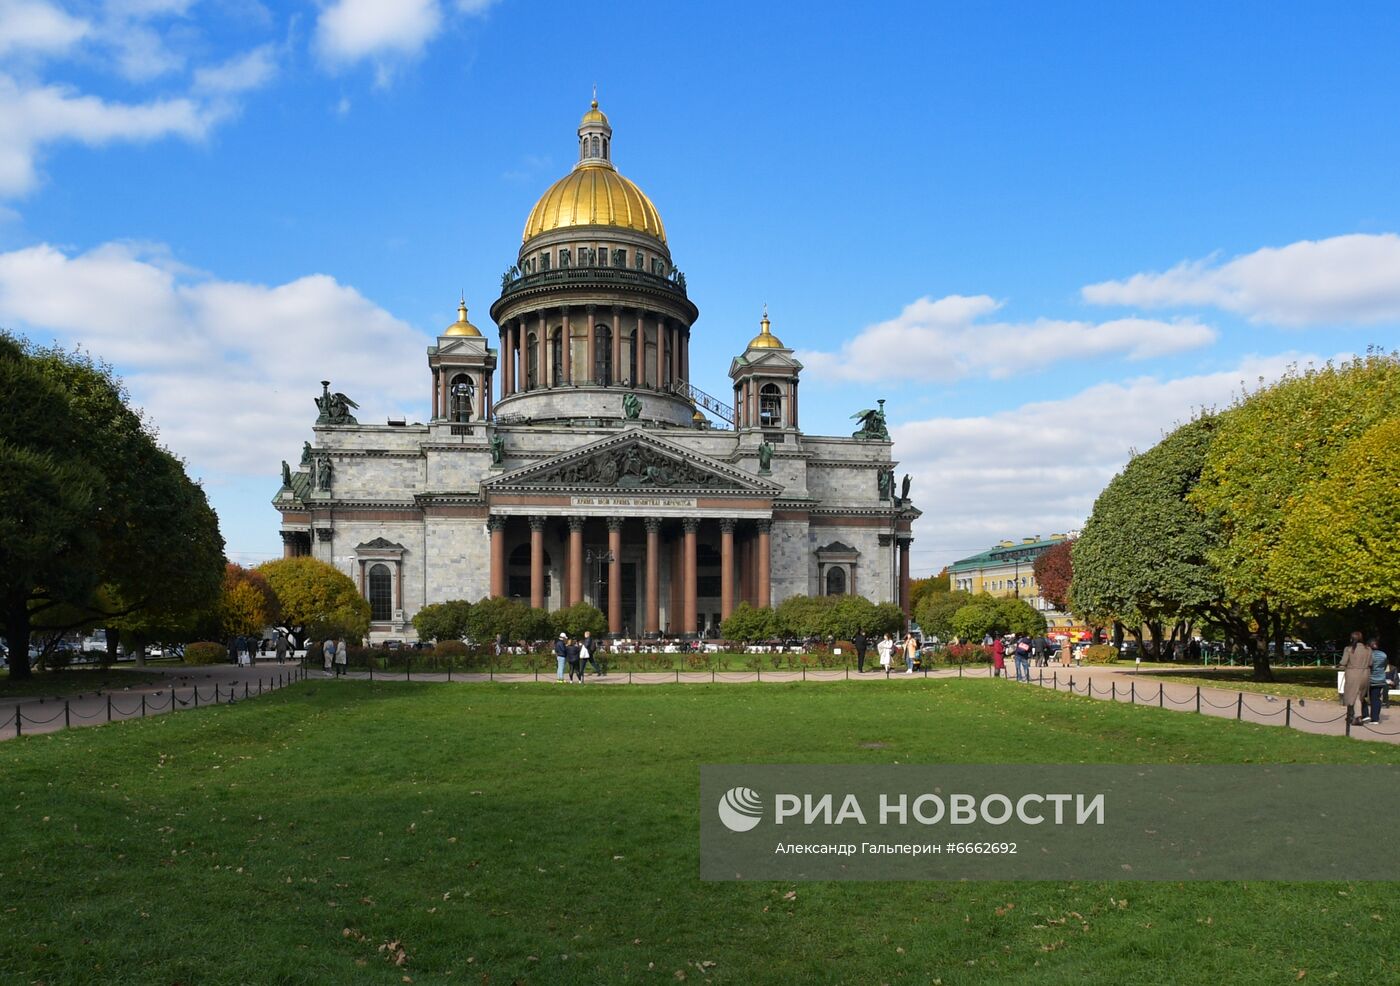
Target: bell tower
462 366
765 384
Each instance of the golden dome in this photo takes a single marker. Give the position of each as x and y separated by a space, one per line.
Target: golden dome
765 338
594 116
462 327
594 194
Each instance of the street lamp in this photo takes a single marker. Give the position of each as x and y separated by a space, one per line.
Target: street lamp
598 559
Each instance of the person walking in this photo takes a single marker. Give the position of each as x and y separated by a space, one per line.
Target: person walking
998 658
861 642
588 654
280 651
1379 665
572 652
1356 673
885 648
328 654
561 654
342 657
1023 658
911 651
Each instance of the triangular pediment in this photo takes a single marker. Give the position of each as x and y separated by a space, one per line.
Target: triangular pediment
633 460
379 543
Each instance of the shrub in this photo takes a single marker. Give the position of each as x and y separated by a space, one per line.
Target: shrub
968 654
1100 654
450 649
205 652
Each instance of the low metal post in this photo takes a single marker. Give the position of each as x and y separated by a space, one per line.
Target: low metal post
1198 698
245 689
18 716
408 669
1054 681
109 708
959 670
1288 712
196 696
143 705
1113 683
1161 689
1239 706
804 672
449 669
259 685
67 722
1348 721
1132 693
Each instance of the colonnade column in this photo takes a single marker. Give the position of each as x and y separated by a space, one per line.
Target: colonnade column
765 547
507 332
745 583
498 555
567 350
575 560
904 544
541 347
616 347
652 620
591 350
660 353
726 568
537 562
690 623
615 576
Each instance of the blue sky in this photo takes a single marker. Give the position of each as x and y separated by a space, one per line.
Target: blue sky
1045 233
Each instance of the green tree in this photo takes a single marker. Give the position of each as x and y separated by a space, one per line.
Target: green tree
575 619
106 526
444 621
1143 557
920 589
509 619
982 616
748 623
318 597
1268 450
934 614
801 616
848 615
888 618
1338 549
1019 617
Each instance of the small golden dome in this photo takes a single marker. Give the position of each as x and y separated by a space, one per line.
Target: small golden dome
697 417
594 194
462 327
765 338
594 116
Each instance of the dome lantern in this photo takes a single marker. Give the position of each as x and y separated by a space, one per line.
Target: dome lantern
594 137
462 327
765 338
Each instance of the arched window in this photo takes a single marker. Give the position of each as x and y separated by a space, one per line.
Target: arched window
770 406
602 354
532 361
381 594
836 582
518 573
556 356
597 146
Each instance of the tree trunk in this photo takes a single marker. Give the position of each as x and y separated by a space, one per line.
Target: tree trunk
17 636
1117 636
113 639
1154 627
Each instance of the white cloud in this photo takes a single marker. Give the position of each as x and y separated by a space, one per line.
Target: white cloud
946 339
1037 468
349 31
34 116
31 25
1353 279
239 74
226 370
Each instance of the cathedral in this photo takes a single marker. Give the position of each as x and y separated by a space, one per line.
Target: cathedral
575 460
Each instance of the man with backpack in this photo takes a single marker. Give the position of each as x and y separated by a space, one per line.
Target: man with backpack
1023 658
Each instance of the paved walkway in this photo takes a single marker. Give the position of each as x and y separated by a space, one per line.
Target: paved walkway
186 687
181 688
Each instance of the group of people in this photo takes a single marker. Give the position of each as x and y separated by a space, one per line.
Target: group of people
244 651
1024 650
885 649
335 656
1364 678
576 654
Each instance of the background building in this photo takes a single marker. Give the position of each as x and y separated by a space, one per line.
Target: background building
1008 569
577 462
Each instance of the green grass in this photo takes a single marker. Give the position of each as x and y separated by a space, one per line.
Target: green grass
543 834
73 681
1314 684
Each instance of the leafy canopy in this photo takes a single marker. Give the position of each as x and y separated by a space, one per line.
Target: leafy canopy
319 597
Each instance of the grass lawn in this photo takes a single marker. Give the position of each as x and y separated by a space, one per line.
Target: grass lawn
72 681
542 834
1314 684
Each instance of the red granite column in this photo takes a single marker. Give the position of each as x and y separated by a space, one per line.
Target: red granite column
765 547
691 582
653 601
575 560
567 351
616 346
592 350
904 544
615 576
726 568
537 562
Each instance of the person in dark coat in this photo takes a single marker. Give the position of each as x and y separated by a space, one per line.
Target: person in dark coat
571 654
281 648
861 642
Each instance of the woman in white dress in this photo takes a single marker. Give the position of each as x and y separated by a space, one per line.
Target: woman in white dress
885 648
